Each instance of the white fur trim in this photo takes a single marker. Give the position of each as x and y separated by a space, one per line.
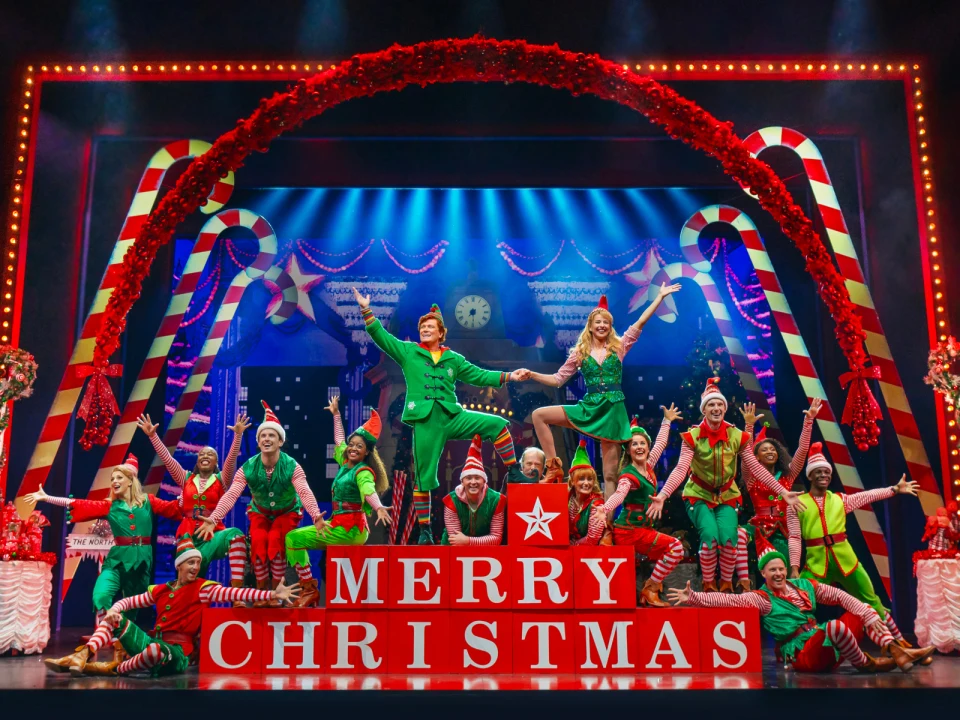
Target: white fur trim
270 425
819 462
712 396
186 555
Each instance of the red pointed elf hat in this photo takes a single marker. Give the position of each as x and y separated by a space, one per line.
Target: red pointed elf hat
766 552
762 435
602 305
473 466
816 459
637 429
132 463
271 422
370 430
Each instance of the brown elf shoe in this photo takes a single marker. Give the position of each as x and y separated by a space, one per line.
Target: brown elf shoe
744 586
309 594
877 665
905 658
119 654
650 594
262 585
554 472
238 603
73 663
710 586
108 667
726 587
904 644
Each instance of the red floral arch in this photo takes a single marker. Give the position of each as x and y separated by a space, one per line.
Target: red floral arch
479 59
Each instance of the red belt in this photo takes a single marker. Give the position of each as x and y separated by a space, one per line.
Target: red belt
175 638
807 626
717 492
347 507
827 540
123 541
767 510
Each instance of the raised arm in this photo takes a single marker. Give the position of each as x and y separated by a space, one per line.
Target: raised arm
794 537
230 464
796 464
134 602
379 334
660 443
176 470
339 436
829 595
305 493
473 375
651 308
230 497
856 501
679 473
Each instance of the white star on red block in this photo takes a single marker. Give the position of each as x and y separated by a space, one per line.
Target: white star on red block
538 521
305 282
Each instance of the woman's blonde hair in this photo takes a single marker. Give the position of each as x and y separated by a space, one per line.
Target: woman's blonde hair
137 496
585 341
577 474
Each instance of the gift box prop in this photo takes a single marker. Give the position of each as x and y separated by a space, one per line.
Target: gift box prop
26 581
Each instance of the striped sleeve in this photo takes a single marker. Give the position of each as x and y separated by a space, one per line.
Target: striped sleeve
230 464
679 473
216 593
865 497
660 444
615 500
794 536
339 437
756 600
800 458
134 602
230 497
175 469
758 471
60 501
305 493
829 595
452 523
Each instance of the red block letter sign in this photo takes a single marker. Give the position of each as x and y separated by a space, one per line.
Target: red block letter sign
357 577
730 640
537 515
604 578
231 641
480 577
356 642
668 640
606 641
481 642
542 579
419 577
419 642
293 641
543 643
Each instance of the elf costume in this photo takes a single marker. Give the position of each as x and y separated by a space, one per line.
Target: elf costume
174 644
823 527
601 413
586 526
789 616
200 496
354 497
128 567
275 509
770 510
708 461
432 409
635 489
483 522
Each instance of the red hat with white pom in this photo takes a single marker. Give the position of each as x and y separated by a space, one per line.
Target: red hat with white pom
271 422
711 392
474 462
816 459
131 464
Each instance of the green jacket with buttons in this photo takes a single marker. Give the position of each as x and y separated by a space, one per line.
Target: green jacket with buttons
430 383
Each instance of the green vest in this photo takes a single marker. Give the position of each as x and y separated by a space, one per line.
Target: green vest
346 489
581 527
277 495
472 523
715 466
633 512
602 380
126 521
785 619
811 528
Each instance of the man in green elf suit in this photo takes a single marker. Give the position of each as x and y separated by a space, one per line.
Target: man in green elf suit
431 372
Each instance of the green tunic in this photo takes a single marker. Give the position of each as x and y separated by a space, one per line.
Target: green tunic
812 523
276 495
785 620
474 523
714 466
633 512
601 413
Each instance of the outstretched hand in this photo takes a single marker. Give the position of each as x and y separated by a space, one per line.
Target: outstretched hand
286 592
655 509
814 408
363 302
679 597
668 289
148 426
320 523
207 526
241 425
671 413
906 487
749 412
334 405
383 516
793 500
35 497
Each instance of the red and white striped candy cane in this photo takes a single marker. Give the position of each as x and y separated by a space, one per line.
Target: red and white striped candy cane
68 393
799 355
408 528
675 271
908 435
262 268
399 486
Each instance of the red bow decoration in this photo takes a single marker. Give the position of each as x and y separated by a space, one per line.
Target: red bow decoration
98 390
862 410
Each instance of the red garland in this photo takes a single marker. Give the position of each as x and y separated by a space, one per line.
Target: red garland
476 59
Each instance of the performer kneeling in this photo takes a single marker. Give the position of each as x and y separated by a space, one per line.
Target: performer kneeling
822 525
202 489
787 610
601 414
356 489
473 514
709 453
128 567
588 521
278 486
431 372
635 489
174 643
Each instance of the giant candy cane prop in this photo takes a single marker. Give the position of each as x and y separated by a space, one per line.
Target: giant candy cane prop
799 355
839 236
65 401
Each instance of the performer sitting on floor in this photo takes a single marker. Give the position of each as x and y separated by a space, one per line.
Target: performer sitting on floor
635 489
588 522
431 371
128 567
709 454
356 492
787 608
202 489
770 511
174 643
601 414
473 514
822 525
278 485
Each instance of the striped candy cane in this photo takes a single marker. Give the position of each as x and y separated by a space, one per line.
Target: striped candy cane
399 486
891 386
799 355
263 269
675 271
408 528
68 393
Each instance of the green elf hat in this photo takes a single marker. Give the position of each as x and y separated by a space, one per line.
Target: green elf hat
370 430
637 429
433 314
766 552
580 458
185 550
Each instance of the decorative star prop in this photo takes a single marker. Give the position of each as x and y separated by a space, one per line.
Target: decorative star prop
642 279
305 282
538 521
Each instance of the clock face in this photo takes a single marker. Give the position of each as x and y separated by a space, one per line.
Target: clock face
473 312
